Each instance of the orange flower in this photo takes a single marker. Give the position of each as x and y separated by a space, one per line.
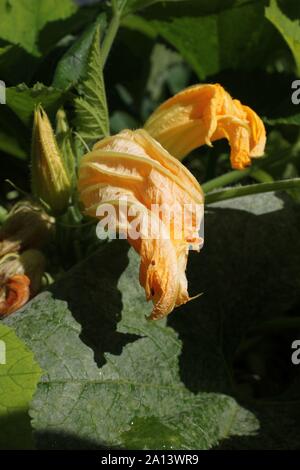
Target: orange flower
20 279
202 114
134 166
15 293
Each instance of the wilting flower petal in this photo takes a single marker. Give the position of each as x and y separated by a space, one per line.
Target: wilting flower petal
20 279
133 166
27 226
202 114
14 294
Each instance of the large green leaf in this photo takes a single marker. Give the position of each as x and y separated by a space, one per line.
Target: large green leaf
133 5
171 8
289 29
19 375
212 42
91 119
17 15
114 378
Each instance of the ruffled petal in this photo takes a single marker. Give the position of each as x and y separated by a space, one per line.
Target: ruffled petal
131 170
202 114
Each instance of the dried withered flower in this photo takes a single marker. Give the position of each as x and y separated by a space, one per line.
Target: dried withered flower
132 166
14 293
20 279
27 226
202 114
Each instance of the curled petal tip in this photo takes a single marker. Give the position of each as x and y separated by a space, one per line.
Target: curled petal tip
202 114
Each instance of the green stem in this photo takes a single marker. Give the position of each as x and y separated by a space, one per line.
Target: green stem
239 191
224 180
111 33
237 175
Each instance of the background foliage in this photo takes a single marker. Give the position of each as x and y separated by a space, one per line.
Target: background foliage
220 373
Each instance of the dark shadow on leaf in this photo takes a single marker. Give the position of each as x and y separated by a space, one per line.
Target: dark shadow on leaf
57 440
248 272
279 429
53 31
98 305
15 431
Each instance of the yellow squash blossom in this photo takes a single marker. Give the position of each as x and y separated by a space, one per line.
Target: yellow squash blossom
202 114
134 166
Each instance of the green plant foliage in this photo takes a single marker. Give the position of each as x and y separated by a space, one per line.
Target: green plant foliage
23 100
73 65
19 376
217 373
91 120
290 30
154 389
16 15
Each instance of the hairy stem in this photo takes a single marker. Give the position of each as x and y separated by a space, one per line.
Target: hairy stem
111 32
282 185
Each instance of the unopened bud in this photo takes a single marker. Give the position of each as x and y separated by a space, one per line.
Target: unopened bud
65 143
50 180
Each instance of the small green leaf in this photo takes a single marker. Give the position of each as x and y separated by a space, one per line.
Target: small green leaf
72 66
65 140
19 375
91 119
289 29
23 100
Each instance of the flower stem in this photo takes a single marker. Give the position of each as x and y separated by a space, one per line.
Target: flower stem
282 185
224 180
111 32
256 172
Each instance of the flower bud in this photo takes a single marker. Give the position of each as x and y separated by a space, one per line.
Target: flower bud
202 114
50 180
65 143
